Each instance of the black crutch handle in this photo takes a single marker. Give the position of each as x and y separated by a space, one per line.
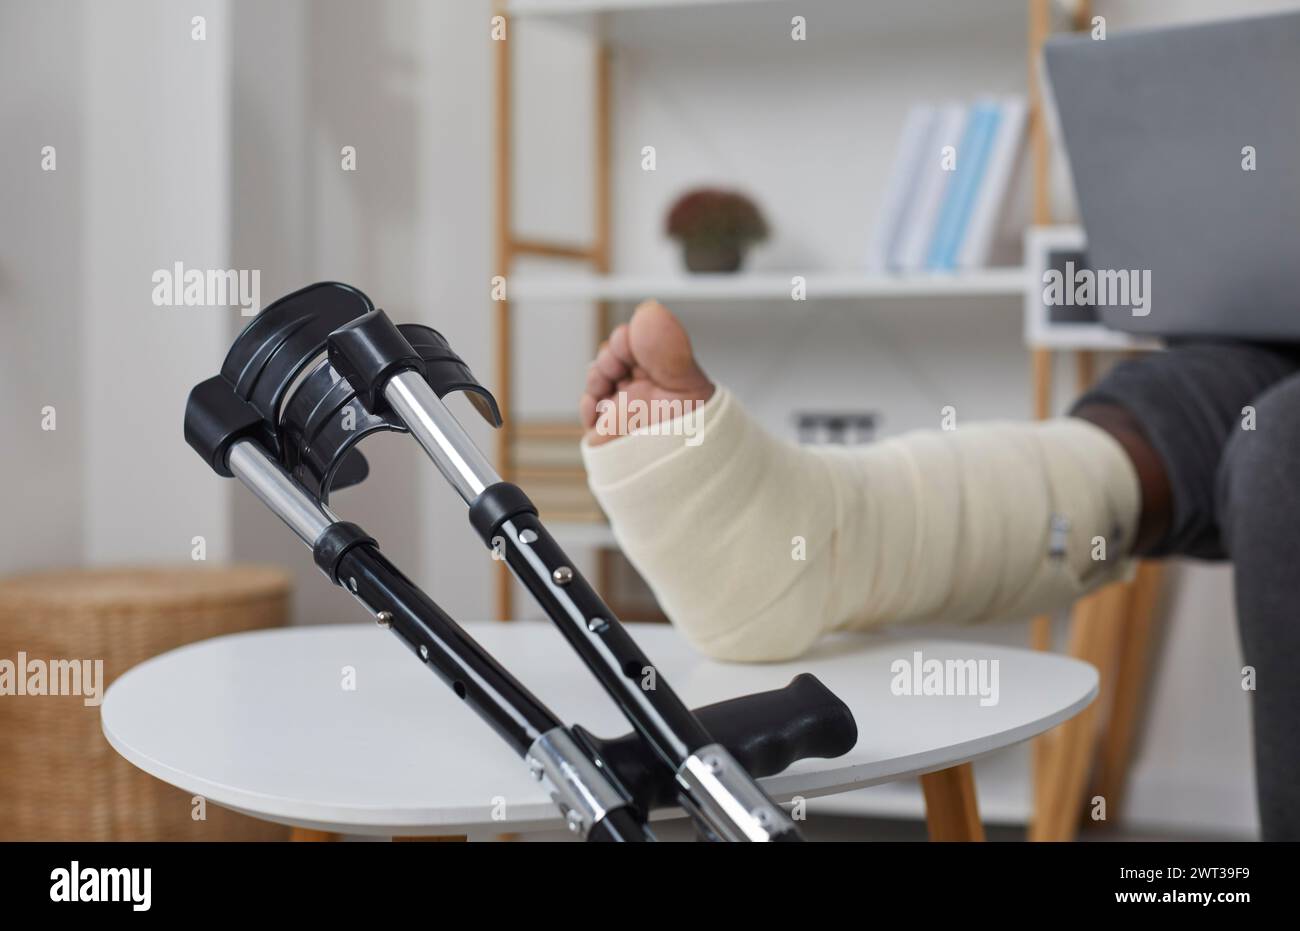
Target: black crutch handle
765 732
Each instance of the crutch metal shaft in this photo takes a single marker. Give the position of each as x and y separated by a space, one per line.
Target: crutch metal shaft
440 433
275 488
591 803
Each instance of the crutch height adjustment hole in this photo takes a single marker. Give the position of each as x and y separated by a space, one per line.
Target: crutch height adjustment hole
634 669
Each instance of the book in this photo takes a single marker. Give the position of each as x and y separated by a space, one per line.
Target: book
932 184
955 213
990 202
979 177
918 128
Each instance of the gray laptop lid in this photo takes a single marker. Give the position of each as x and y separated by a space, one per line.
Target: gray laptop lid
1155 123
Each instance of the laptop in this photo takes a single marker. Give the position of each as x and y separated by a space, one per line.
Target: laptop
1184 144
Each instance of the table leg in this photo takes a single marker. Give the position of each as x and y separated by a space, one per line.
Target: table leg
310 835
1132 676
951 811
1096 629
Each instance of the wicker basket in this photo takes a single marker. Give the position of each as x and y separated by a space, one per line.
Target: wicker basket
59 778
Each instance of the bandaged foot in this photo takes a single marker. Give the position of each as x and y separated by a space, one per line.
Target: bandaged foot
755 547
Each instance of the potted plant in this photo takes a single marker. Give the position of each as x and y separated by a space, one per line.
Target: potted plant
715 227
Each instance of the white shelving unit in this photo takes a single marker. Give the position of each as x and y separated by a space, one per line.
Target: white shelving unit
1009 282
569 7
646 23
687 27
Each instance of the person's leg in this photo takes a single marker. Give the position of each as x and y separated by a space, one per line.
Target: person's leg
755 547
1212 488
1171 413
1259 508
1156 515
1174 412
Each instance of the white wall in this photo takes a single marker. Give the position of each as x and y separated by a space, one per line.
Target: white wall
40 287
136 111
156 187
405 83
271 217
453 267
225 153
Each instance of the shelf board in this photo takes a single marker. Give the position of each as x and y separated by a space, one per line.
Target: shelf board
1009 282
571 7
746 24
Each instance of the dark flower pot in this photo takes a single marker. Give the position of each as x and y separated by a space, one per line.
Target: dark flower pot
713 256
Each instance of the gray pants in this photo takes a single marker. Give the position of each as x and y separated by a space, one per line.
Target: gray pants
1236 495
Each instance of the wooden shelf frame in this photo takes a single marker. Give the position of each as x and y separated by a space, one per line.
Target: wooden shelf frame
1114 628
509 246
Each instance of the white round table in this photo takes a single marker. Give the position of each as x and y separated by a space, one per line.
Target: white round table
341 729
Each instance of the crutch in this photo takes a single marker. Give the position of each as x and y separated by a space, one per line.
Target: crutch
320 369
